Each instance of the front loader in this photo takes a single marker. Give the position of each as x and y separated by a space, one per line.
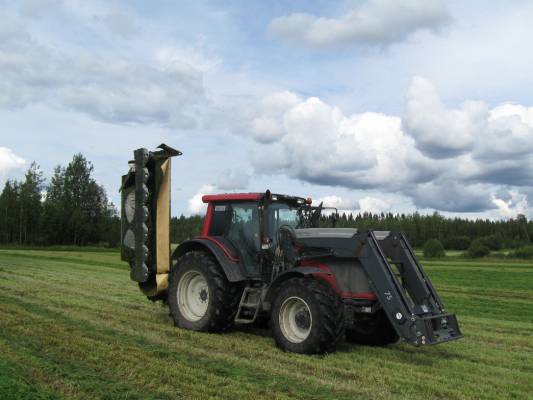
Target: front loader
262 256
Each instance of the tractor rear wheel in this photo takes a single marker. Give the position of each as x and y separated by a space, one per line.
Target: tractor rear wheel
199 295
307 317
373 330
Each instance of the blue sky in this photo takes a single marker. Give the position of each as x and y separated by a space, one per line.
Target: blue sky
370 105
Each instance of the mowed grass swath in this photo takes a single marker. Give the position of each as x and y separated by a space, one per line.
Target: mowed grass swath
72 325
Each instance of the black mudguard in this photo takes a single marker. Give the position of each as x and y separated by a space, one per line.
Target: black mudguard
232 269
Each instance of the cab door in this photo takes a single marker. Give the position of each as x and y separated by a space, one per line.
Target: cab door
244 234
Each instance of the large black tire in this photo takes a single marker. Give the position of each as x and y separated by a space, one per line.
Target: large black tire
320 316
219 296
373 330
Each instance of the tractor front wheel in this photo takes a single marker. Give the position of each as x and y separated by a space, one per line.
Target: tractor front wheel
373 330
307 317
199 295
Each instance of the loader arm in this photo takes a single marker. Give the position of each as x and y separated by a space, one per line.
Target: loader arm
408 298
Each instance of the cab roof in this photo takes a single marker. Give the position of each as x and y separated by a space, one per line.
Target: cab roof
215 198
209 198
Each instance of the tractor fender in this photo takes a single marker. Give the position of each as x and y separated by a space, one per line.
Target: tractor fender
292 273
229 264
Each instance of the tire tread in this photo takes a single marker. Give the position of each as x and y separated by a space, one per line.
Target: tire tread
331 330
224 296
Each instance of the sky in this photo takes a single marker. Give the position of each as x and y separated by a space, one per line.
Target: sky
369 105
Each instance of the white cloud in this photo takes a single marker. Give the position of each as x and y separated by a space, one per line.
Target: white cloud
483 144
439 157
350 206
9 162
446 193
270 158
338 202
319 144
438 131
268 127
233 179
509 133
195 204
173 57
373 205
375 22
162 89
510 207
229 179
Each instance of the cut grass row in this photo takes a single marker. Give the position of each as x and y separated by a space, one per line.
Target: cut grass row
72 325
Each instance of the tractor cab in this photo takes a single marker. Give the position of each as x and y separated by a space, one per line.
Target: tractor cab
246 225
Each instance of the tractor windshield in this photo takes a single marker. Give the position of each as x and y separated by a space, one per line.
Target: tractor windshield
280 214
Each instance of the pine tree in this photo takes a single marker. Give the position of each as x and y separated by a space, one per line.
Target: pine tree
9 215
77 211
54 220
30 205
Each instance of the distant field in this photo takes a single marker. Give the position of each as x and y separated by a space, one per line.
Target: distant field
72 325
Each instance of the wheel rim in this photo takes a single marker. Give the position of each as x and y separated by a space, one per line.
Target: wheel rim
193 295
295 319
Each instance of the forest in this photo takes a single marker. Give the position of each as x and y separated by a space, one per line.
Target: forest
73 209
453 233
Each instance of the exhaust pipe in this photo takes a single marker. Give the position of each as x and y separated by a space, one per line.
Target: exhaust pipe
145 218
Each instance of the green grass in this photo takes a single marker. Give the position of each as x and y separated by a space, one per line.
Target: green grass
461 254
72 325
96 249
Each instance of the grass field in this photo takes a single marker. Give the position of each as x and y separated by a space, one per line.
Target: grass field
72 325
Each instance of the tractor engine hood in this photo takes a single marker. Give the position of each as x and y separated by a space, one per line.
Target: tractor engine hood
338 242
333 233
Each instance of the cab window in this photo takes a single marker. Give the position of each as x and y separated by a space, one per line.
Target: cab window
244 231
280 214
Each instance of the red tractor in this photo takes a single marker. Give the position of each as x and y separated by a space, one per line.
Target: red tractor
262 255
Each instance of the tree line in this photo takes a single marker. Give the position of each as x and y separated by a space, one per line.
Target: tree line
72 209
453 233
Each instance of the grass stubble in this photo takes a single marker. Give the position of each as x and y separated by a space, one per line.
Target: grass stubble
72 325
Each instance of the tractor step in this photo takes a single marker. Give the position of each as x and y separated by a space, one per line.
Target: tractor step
249 305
